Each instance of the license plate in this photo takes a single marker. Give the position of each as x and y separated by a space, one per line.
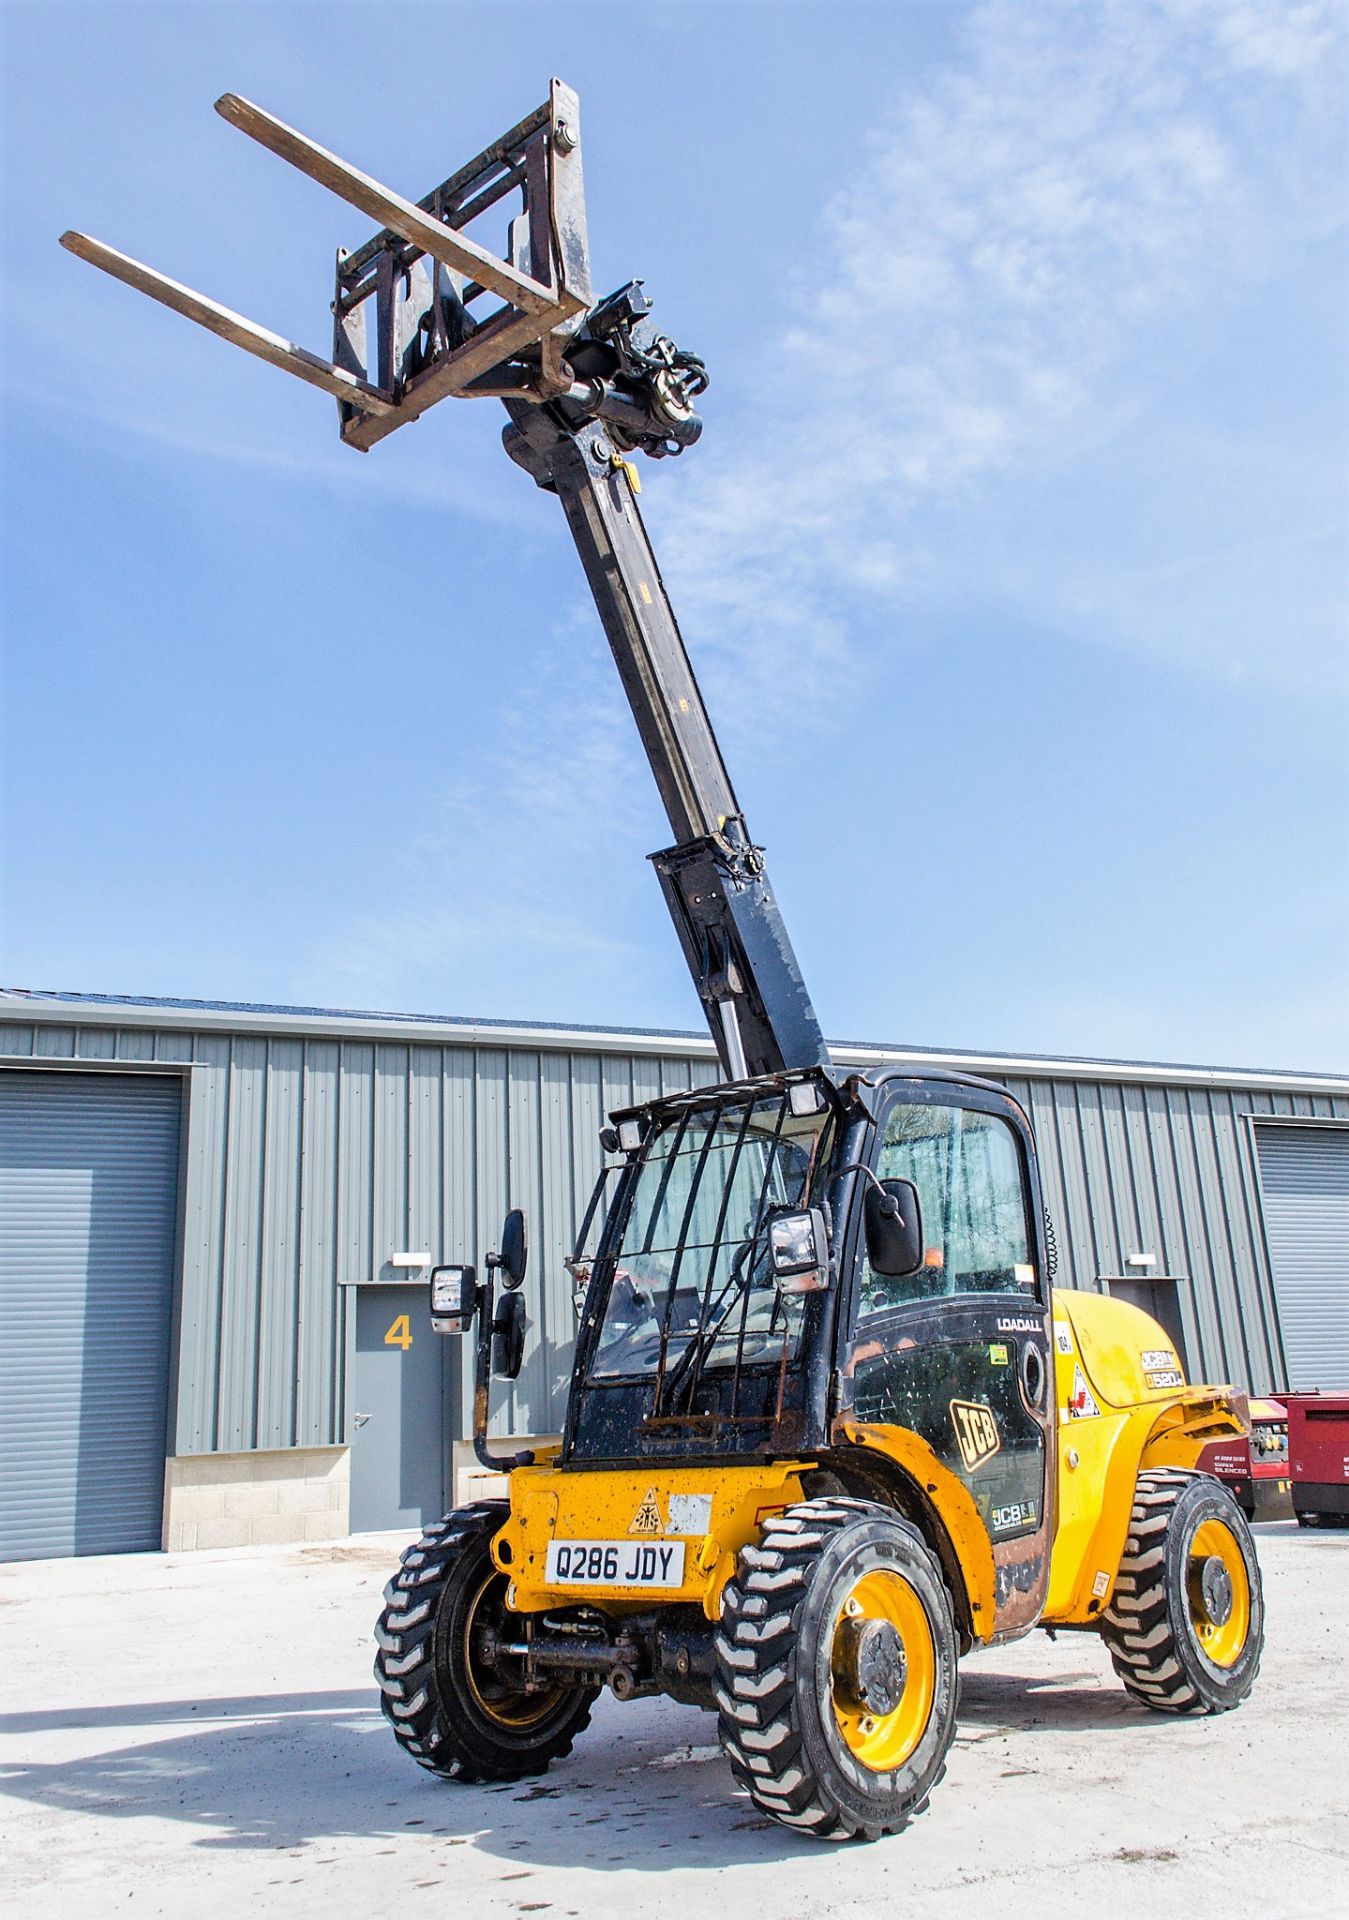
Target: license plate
615 1563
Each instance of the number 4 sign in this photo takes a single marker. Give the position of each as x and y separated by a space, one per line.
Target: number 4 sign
400 1333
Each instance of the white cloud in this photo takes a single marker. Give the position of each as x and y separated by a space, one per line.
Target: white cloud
977 315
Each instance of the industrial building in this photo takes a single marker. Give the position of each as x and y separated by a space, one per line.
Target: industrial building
217 1221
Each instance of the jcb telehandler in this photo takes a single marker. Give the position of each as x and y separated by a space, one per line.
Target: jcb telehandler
830 1426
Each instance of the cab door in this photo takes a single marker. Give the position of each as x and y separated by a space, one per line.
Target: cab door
959 1352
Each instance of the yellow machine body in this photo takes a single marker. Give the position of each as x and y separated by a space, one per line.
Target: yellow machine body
1123 1406
722 1508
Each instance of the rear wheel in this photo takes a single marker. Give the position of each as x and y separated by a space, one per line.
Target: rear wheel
1186 1622
452 1710
836 1670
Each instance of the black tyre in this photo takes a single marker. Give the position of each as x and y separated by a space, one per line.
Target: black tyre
836 1670
1186 1622
1308 1519
451 1711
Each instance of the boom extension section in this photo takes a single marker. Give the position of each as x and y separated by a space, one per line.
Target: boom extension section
585 386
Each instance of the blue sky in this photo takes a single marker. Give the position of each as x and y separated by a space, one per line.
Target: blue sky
1013 559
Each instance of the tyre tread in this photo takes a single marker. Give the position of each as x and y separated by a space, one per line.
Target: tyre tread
1138 1626
756 1684
405 1658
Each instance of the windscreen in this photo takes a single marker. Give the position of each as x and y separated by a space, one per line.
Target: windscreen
691 1290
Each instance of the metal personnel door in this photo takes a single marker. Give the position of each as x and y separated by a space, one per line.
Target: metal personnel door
88 1213
1159 1297
401 1412
1304 1177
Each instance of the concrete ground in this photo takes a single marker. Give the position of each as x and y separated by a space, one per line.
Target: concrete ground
198 1734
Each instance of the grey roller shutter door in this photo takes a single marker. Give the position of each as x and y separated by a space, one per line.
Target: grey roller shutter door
1304 1175
88 1207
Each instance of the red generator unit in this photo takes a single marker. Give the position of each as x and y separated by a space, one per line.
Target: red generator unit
1318 1457
1255 1468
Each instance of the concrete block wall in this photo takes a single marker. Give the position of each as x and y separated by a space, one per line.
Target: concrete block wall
472 1481
276 1498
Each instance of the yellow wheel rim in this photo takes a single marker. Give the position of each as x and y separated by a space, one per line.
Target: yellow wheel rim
883 1741
1219 1591
494 1699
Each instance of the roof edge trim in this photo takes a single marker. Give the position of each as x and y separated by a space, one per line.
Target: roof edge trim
411 1030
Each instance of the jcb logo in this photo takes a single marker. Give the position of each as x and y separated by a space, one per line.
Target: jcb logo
976 1432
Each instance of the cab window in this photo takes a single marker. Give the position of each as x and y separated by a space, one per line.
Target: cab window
966 1166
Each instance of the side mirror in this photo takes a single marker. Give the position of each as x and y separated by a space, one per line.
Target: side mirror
508 1336
514 1254
798 1250
894 1226
454 1293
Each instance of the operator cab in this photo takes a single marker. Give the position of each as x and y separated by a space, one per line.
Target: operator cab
786 1259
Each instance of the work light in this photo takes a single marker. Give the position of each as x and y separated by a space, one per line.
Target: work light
798 1248
805 1097
454 1292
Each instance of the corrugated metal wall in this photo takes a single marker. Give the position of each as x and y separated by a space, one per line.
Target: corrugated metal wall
1132 1168
312 1160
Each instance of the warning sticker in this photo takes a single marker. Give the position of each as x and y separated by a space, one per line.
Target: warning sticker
997 1353
1100 1586
647 1517
1081 1403
1063 1336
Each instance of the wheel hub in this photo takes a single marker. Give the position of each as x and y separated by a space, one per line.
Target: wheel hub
1215 1591
877 1669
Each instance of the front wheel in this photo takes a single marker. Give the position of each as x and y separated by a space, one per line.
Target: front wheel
836 1670
454 1710
1186 1622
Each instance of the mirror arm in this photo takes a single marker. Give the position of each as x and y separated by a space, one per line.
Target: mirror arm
482 1382
855 1166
